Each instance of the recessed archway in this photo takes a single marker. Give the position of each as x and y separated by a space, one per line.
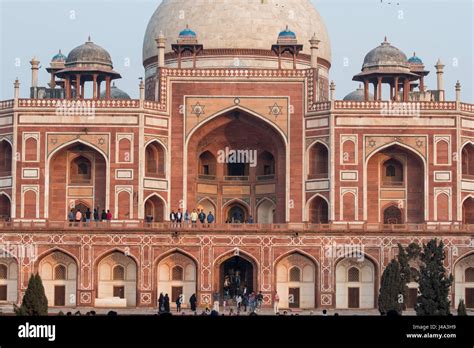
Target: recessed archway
296 279
318 212
86 172
249 150
154 209
464 281
6 157
266 212
397 177
58 272
9 275
5 207
116 281
177 275
356 283
468 211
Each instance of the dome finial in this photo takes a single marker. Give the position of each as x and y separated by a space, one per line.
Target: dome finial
89 39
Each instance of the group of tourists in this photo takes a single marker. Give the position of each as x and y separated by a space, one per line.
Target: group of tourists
76 215
164 303
178 217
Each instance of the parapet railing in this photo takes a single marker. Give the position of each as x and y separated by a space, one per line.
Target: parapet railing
199 227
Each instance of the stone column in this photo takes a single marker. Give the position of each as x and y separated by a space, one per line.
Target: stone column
78 86
332 88
161 41
396 88
440 81
16 93
458 92
379 87
107 87
366 90
314 51
94 86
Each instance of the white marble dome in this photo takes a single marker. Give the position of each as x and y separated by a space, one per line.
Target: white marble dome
245 24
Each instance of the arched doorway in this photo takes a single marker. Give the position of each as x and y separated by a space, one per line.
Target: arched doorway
392 215
237 213
59 274
155 160
117 281
296 282
154 209
8 278
396 176
177 275
318 211
468 161
237 275
355 283
265 212
468 211
5 207
249 151
464 281
77 175
5 159
318 161
208 207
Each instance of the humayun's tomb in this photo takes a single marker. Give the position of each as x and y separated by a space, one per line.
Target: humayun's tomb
393 162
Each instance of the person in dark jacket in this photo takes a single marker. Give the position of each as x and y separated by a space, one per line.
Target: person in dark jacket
179 300
166 303
161 301
103 216
193 302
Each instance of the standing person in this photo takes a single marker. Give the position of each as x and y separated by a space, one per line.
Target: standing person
179 217
71 216
238 300
96 215
192 302
88 215
109 216
172 218
259 301
178 303
166 303
250 219
194 217
202 217
186 217
245 301
210 218
161 302
103 217
78 216
276 303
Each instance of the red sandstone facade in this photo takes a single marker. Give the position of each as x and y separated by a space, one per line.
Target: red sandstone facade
331 175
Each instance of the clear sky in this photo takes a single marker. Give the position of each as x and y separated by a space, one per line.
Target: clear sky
433 28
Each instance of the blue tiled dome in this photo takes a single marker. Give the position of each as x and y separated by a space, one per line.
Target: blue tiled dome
287 34
415 60
187 33
60 57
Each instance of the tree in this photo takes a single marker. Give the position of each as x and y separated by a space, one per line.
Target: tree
434 281
391 290
34 302
405 271
462 308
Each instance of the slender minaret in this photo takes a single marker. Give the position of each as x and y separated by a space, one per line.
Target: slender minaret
161 42
332 88
314 51
16 86
34 76
458 92
142 89
439 72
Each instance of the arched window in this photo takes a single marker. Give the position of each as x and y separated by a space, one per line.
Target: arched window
468 160
318 162
266 164
207 164
81 171
3 272
60 272
155 160
5 158
295 274
392 173
392 216
469 276
177 273
119 273
353 275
